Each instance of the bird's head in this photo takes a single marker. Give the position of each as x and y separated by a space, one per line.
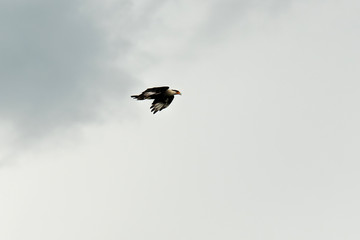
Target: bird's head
177 92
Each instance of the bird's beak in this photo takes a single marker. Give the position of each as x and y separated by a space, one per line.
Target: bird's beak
179 93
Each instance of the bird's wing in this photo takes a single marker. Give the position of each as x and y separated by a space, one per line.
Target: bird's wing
156 90
161 103
151 93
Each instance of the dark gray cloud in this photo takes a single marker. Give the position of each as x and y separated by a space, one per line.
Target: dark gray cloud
55 65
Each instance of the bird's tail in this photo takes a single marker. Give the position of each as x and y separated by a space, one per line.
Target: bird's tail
138 97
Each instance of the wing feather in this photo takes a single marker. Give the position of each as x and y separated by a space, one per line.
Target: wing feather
156 90
161 103
151 93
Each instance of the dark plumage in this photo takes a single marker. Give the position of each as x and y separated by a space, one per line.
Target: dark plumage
162 96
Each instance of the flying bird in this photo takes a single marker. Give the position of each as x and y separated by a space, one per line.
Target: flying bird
162 96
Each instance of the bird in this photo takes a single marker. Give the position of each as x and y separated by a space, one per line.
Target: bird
162 96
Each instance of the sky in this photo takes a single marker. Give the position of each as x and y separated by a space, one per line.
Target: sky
262 144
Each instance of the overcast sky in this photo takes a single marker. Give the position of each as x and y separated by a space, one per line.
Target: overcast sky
263 143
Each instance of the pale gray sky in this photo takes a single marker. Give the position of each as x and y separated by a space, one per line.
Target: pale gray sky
263 143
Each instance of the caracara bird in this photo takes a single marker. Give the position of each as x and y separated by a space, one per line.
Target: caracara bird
162 96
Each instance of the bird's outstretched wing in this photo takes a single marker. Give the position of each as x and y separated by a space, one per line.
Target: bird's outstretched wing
150 93
161 103
157 90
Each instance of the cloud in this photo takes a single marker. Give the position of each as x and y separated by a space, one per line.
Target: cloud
223 18
57 64
65 64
